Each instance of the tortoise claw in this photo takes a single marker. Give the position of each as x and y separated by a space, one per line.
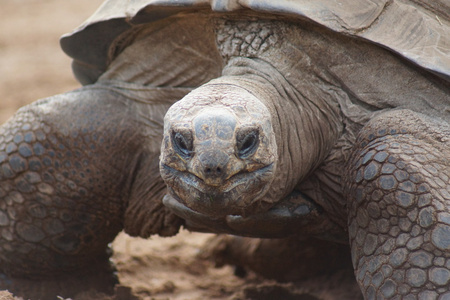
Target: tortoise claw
294 215
283 220
195 221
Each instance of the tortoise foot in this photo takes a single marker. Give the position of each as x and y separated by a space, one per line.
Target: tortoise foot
292 216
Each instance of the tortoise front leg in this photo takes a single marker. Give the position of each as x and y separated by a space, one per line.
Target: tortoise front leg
75 169
295 215
398 192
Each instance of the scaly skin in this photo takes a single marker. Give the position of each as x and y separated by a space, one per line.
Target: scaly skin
399 219
69 182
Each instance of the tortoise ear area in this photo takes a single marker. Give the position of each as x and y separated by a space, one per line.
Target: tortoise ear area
247 142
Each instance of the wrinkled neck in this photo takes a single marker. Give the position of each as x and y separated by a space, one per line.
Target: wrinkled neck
306 128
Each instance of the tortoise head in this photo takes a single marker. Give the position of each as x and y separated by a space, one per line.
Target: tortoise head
219 153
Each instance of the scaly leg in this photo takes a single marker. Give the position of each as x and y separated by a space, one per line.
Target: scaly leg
398 191
75 169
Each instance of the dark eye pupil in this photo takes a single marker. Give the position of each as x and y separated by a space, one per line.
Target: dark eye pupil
182 143
249 141
247 144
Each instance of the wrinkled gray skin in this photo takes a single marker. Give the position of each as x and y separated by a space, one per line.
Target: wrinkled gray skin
358 149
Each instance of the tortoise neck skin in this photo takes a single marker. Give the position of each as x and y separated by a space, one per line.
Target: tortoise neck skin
305 131
264 57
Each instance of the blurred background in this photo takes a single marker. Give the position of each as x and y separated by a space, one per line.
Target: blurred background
32 64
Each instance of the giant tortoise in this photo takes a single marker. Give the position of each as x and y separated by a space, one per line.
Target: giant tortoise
327 119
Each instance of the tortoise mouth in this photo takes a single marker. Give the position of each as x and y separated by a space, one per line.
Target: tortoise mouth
238 195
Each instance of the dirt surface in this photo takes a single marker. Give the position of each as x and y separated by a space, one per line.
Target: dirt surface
32 66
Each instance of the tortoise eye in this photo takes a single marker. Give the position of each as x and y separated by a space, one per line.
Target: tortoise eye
247 142
182 142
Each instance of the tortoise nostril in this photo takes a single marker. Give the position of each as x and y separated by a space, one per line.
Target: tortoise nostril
210 171
213 165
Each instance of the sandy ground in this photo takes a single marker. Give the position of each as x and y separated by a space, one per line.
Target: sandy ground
32 66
